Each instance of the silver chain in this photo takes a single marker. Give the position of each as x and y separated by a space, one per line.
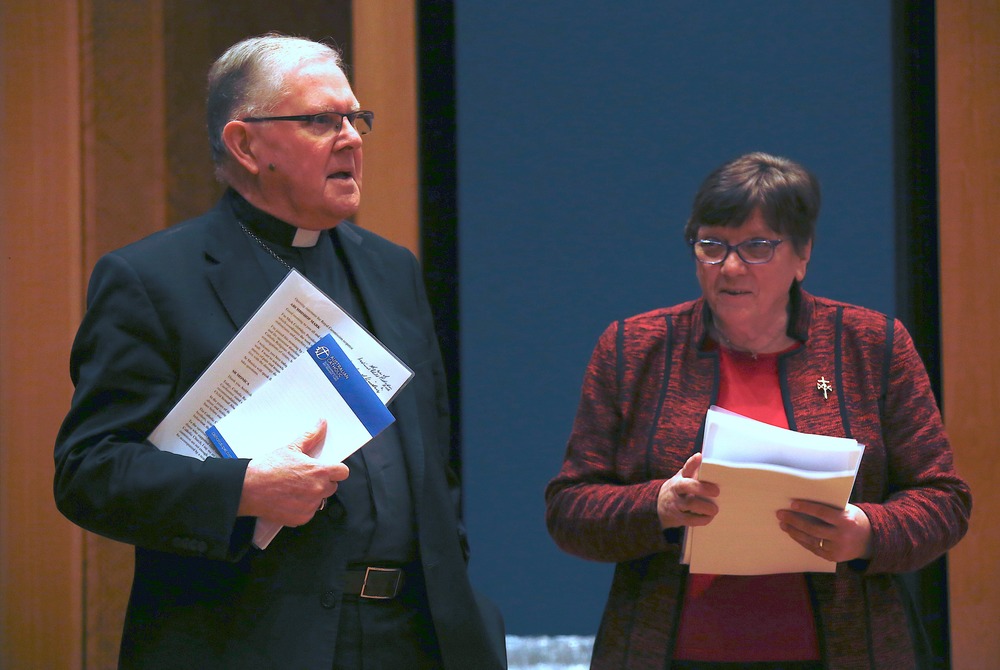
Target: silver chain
266 248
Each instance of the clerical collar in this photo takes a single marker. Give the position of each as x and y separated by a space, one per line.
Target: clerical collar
268 227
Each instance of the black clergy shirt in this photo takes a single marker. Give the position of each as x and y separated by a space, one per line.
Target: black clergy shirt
378 523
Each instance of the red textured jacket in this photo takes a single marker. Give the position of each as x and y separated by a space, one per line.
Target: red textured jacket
646 390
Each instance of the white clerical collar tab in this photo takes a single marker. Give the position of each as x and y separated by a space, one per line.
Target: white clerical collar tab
305 238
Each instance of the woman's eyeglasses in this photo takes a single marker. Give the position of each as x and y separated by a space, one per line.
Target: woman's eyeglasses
753 252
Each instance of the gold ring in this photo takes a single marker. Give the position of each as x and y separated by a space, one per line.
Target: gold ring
322 506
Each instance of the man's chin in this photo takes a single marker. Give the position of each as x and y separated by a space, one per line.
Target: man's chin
324 219
343 203
344 213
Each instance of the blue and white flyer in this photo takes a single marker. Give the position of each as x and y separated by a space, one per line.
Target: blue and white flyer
321 383
293 317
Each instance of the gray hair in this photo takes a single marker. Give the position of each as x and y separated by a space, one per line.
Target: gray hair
249 79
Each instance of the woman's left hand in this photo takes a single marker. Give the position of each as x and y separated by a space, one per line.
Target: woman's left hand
836 535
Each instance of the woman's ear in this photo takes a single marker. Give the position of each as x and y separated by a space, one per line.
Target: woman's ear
804 256
237 137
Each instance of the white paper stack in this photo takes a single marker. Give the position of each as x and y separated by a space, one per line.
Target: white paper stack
263 391
761 469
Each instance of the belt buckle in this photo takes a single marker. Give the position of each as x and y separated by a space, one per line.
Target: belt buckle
382 580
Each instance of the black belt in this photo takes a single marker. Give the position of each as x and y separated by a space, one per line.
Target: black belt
374 582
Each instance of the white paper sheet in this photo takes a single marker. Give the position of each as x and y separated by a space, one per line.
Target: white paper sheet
760 469
294 316
320 383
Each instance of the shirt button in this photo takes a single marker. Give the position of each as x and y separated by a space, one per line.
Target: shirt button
329 600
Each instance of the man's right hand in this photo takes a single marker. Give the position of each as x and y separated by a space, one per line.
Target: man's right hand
288 485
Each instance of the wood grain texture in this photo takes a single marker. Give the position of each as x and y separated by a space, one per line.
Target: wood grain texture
968 53
40 275
385 81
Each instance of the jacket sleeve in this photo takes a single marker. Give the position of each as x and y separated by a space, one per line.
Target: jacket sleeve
109 478
590 511
927 505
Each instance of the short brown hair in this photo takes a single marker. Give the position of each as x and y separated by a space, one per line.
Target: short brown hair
786 194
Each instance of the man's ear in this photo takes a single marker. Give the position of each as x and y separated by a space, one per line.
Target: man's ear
236 136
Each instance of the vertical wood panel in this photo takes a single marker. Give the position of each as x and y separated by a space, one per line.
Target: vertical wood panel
385 80
124 140
968 34
40 269
124 187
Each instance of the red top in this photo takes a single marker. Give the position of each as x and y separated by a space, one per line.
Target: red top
741 618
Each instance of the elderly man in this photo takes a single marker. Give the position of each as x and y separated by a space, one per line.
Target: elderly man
286 135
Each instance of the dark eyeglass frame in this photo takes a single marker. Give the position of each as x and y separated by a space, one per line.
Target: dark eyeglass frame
365 115
738 248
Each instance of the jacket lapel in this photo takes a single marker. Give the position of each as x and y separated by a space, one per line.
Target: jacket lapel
369 273
242 285
238 280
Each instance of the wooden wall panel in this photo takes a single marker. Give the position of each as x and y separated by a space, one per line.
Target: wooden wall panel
124 195
968 53
123 104
40 271
385 80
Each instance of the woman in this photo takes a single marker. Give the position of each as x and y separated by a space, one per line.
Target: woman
757 344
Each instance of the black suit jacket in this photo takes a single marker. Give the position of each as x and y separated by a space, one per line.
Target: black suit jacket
158 312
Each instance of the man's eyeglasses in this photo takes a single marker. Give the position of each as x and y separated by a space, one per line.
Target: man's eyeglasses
753 252
325 122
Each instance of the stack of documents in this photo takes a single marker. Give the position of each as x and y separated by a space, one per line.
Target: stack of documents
321 382
299 359
761 469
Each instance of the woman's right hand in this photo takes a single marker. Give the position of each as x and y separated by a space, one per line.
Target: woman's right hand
685 501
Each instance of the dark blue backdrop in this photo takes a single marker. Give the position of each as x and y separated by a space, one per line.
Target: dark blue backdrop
583 130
